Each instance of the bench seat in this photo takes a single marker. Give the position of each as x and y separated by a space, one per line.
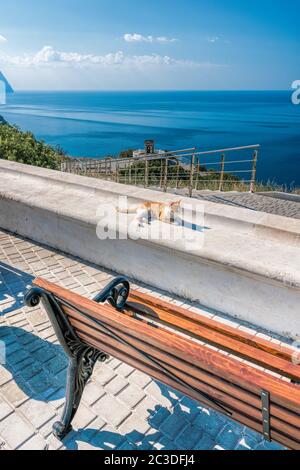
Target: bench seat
250 379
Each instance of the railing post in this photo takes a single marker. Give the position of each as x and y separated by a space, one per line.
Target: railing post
129 173
161 173
197 173
166 175
177 173
135 173
191 186
117 173
253 176
146 182
110 169
222 172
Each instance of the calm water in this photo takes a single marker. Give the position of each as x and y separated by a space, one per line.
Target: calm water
100 123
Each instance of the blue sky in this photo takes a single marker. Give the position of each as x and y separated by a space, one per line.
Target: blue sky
150 44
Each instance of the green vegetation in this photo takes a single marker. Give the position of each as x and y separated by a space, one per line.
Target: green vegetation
23 147
177 175
126 153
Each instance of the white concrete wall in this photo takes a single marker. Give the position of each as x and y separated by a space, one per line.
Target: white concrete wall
246 264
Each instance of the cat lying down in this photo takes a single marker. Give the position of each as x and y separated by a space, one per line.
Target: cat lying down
147 212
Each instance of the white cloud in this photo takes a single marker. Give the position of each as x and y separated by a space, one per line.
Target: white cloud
2 39
135 37
49 57
213 39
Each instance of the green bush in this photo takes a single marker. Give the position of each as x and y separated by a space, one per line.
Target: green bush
23 147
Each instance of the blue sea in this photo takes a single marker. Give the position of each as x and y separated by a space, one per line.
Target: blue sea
96 124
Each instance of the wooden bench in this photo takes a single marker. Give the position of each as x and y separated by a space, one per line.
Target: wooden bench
252 380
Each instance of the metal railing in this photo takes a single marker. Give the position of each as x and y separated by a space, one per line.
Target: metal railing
188 170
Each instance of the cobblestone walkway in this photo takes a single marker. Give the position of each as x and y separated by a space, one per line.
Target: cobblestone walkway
255 202
121 407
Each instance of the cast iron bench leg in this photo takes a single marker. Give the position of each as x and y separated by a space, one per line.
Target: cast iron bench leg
79 372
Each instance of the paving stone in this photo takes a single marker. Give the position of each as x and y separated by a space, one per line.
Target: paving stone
256 202
53 443
46 429
210 421
117 384
160 414
108 438
104 374
140 379
37 412
15 431
206 443
189 437
35 443
134 428
166 444
146 408
228 438
174 424
127 446
37 317
56 397
131 395
162 394
246 443
83 417
5 376
112 410
264 445
92 393
190 407
5 410
13 393
40 382
56 364
124 370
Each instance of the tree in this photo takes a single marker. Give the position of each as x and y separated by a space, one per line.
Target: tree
23 147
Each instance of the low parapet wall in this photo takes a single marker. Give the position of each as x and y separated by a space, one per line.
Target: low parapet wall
246 264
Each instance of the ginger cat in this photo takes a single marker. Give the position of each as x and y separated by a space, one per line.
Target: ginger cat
149 211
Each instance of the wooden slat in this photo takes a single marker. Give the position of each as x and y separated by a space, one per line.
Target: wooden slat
92 334
289 442
242 336
197 372
224 342
284 394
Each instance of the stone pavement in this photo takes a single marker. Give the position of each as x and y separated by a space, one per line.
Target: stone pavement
255 202
121 407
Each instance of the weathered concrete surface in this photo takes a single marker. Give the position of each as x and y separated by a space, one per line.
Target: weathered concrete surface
121 407
245 264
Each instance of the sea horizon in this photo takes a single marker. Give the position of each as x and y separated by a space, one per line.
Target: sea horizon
92 123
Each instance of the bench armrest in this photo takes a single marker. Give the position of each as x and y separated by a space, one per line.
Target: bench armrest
116 293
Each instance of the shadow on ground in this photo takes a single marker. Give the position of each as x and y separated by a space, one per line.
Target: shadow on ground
36 365
13 285
38 368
